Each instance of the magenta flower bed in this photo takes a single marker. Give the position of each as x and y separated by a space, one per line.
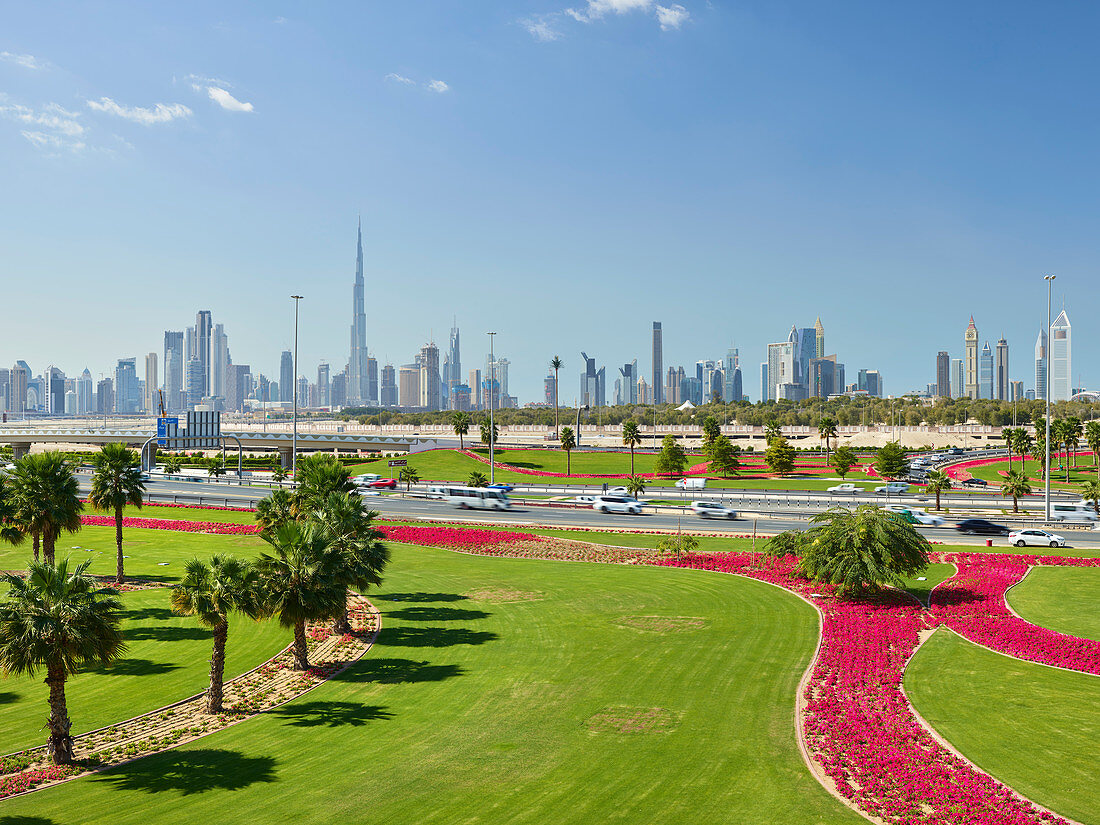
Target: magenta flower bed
860 728
973 605
196 507
218 528
472 540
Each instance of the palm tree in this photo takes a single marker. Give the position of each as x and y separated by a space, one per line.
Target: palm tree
361 556
279 473
826 428
1041 451
59 621
1015 485
477 479
316 477
1073 433
1092 438
9 523
172 464
772 431
116 482
210 592
568 442
1090 491
216 468
460 421
1009 436
298 581
275 510
555 365
632 437
635 485
1024 445
410 476
47 498
1059 435
938 481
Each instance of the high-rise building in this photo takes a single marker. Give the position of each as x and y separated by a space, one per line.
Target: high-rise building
372 380
870 382
672 386
85 393
460 398
5 389
1016 390
807 350
127 395
175 364
824 375
766 391
408 385
628 393
324 386
429 378
658 363
971 341
1061 358
475 389
388 391
958 383
943 374
782 364
731 374
303 391
549 387
1041 364
105 396
643 392
237 381
201 348
358 390
819 332
195 382
985 372
151 397
286 376
1000 371
454 362
592 383
219 360
20 378
54 388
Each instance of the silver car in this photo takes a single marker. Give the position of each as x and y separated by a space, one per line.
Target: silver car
712 509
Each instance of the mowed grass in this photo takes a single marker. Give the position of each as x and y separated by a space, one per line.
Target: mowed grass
513 691
167 659
1035 728
181 514
1061 598
1084 471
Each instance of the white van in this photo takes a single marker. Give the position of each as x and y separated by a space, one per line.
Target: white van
475 498
893 488
1076 511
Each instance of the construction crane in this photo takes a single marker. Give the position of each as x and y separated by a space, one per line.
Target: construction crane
160 397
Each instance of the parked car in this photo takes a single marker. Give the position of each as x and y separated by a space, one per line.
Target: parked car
712 509
383 484
893 488
846 487
975 482
617 504
980 526
504 488
691 483
1035 538
915 516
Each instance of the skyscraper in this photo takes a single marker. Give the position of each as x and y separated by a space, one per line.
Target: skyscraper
1041 364
429 377
200 349
958 384
592 383
807 350
782 365
127 397
819 331
324 396
236 385
388 391
628 393
85 393
943 374
1061 358
219 360
475 389
286 376
358 391
1000 371
194 381
454 363
408 384
658 363
731 389
971 341
372 380
20 378
870 382
985 372
174 367
151 397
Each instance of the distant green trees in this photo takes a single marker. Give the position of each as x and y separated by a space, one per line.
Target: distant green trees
671 460
780 456
844 459
891 461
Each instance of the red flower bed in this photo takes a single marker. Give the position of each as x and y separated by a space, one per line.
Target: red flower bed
195 507
219 528
17 783
461 538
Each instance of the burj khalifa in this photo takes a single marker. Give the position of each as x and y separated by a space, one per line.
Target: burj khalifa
358 392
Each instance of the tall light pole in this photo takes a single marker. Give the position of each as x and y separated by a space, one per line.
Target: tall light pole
1046 442
294 380
492 392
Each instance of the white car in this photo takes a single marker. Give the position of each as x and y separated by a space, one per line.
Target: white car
617 491
893 488
617 504
691 483
914 515
584 499
712 509
846 487
1035 538
365 479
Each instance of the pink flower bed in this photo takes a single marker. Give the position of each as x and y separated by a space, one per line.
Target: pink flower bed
17 783
860 728
195 507
973 605
218 528
471 540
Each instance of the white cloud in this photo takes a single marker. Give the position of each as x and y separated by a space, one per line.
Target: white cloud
27 61
227 101
541 27
42 140
397 78
279 21
437 86
52 117
160 113
670 17
601 8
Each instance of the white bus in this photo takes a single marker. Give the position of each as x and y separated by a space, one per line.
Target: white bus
478 498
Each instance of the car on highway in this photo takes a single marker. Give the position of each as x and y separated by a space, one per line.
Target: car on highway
365 479
975 482
617 504
893 488
712 509
979 526
1035 538
846 487
616 491
584 499
914 516
1073 511
383 484
691 483
504 488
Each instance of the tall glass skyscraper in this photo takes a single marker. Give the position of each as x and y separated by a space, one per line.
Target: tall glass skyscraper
985 372
1041 365
658 363
1061 358
358 391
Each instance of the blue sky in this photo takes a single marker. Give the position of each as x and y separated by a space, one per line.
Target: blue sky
562 174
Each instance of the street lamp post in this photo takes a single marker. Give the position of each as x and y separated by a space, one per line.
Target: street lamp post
294 381
492 392
1046 357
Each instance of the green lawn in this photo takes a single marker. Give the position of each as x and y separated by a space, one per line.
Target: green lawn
513 691
932 575
167 659
1084 471
1061 598
1033 727
182 514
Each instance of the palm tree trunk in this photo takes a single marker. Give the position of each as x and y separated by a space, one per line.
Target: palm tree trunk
555 405
60 745
48 542
301 650
937 501
567 471
342 624
217 669
1015 505
632 458
118 543
35 544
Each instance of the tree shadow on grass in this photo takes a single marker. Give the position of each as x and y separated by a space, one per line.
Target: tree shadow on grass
433 636
437 614
191 772
26 820
139 613
397 671
167 634
421 597
330 714
135 667
8 698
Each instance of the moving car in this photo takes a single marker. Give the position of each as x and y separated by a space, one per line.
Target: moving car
1077 511
846 487
979 526
914 516
584 499
365 479
616 491
1035 538
975 482
477 498
691 483
893 488
383 484
617 504
504 488
712 509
